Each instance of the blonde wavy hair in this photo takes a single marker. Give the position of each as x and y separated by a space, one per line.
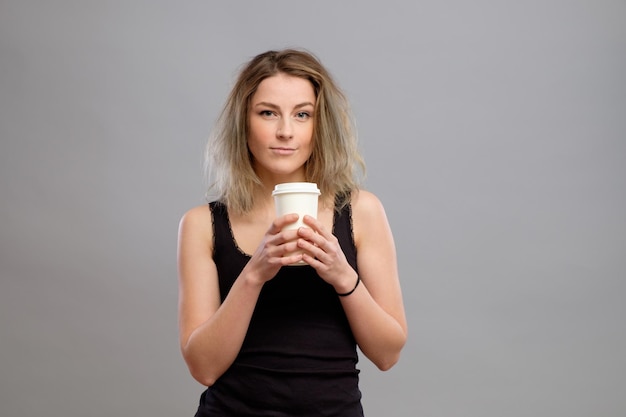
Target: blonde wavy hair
335 163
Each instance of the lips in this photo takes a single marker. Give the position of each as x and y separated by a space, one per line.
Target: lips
283 150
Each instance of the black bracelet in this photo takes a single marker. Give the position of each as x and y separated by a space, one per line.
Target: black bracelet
345 294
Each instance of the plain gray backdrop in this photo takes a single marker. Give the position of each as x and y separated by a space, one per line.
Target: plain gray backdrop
494 133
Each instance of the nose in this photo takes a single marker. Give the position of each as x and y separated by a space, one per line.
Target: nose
284 130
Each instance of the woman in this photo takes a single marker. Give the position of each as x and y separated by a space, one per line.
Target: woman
267 338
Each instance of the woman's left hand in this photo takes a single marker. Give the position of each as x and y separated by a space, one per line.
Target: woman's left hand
324 254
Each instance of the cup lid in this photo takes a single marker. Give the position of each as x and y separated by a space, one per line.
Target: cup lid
296 187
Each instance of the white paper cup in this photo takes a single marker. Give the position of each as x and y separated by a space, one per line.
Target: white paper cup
296 197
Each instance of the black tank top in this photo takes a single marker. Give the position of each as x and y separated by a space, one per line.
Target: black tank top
299 356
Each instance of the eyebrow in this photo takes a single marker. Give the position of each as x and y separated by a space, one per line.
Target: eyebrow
274 106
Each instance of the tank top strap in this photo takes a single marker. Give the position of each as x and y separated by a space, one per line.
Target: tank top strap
342 229
228 258
221 226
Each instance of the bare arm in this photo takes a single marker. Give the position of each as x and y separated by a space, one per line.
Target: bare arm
211 332
375 309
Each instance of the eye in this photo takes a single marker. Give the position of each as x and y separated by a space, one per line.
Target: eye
266 113
303 115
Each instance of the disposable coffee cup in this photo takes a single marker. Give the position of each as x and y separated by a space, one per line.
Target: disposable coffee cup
296 197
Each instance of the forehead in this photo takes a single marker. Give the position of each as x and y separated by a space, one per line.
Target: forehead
284 89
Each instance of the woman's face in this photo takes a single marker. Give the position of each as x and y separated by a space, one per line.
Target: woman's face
280 121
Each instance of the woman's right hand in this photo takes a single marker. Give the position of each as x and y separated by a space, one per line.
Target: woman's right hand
272 253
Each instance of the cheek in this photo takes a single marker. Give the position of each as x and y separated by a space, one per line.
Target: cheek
261 132
307 134
257 133
253 140
311 142
309 150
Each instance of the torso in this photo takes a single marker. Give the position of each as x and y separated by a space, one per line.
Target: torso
299 353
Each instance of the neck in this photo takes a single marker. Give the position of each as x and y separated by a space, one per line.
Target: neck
271 178
263 194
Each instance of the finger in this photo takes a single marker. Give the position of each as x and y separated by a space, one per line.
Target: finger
283 237
313 250
285 253
316 238
313 261
287 248
280 222
282 244
291 259
312 221
315 224
286 259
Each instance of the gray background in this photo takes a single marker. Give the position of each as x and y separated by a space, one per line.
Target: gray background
494 133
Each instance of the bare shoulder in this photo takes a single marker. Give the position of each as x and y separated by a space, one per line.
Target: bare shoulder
199 216
368 214
197 222
367 206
